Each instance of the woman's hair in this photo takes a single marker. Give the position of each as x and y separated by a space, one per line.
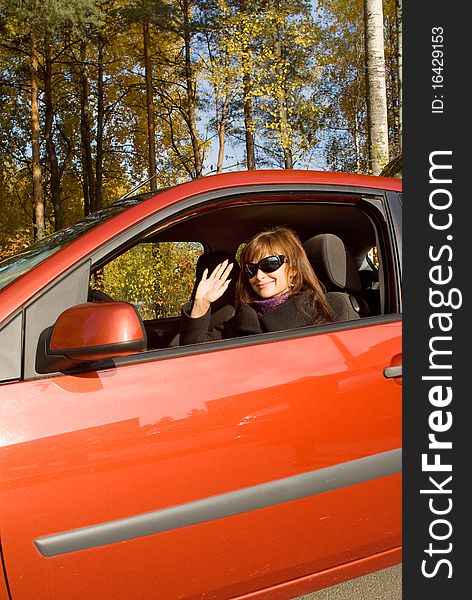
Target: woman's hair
282 240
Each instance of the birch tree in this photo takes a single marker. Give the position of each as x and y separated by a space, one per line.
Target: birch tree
399 24
376 85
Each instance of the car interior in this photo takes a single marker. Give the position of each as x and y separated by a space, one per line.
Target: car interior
338 236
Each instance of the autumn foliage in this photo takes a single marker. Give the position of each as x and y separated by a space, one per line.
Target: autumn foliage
100 96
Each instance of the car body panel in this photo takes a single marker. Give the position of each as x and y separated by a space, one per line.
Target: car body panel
184 439
317 581
226 434
4 594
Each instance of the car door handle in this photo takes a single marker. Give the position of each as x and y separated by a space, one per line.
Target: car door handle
393 372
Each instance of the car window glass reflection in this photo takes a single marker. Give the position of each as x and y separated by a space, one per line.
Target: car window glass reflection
156 277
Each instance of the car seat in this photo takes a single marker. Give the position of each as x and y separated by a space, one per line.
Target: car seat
336 269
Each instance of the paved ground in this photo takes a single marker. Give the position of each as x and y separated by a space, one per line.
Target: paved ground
382 585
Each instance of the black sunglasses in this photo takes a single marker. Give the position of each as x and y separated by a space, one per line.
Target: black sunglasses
269 264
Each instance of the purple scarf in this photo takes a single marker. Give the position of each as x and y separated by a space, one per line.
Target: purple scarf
262 305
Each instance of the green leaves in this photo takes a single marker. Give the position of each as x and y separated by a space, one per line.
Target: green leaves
50 16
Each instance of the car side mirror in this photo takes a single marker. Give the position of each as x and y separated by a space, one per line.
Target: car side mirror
91 332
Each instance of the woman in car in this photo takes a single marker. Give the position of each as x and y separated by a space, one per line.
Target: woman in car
277 290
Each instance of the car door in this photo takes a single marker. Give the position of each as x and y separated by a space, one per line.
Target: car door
222 472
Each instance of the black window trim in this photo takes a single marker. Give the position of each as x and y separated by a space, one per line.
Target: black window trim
160 219
394 221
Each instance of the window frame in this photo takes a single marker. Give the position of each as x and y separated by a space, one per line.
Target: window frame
162 219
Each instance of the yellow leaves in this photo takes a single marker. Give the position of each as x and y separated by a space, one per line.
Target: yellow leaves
158 278
15 242
13 27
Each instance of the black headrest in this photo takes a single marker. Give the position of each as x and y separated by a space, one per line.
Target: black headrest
333 263
209 260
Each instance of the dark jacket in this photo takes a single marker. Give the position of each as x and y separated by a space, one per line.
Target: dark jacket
294 312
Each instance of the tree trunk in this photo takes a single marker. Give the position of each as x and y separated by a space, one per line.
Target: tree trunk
152 168
191 91
221 125
357 145
98 200
55 175
38 202
358 102
88 179
282 106
222 115
247 103
376 86
286 145
249 122
399 22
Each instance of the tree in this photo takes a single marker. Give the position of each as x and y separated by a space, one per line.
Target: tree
151 122
176 86
25 18
59 149
239 24
148 13
343 89
38 202
187 8
399 29
79 71
216 26
288 74
261 63
180 96
246 58
376 85
340 91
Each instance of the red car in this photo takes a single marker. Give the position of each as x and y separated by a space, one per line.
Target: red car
265 466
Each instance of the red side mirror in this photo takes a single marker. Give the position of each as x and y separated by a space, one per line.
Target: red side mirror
94 331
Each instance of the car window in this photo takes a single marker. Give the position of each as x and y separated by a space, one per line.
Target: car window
154 268
157 278
372 257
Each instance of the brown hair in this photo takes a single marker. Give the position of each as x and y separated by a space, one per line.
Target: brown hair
282 240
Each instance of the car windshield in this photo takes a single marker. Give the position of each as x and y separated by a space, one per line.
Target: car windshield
14 267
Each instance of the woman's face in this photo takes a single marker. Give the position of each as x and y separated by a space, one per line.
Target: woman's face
269 285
